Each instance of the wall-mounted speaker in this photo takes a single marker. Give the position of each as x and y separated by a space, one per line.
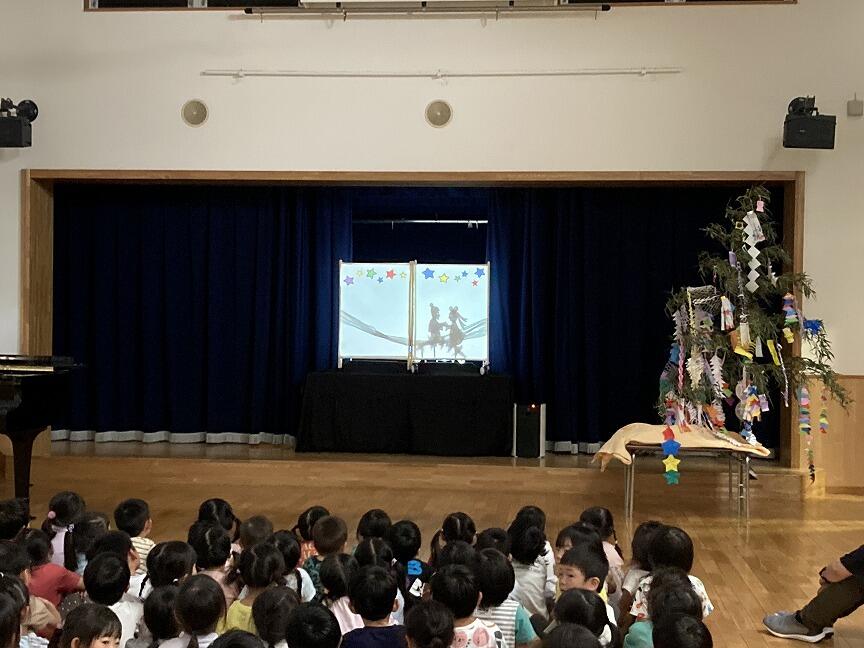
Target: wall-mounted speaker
194 112
439 113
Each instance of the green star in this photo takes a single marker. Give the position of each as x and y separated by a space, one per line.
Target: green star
371 273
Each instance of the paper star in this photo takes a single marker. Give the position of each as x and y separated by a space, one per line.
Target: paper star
671 463
370 273
391 274
670 447
672 478
479 272
360 273
380 279
443 278
474 283
457 278
403 275
668 434
464 273
349 280
428 273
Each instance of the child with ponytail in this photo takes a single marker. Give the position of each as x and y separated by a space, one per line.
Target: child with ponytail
429 625
47 580
303 529
456 526
168 563
63 511
260 566
601 519
199 608
375 552
271 612
212 546
295 577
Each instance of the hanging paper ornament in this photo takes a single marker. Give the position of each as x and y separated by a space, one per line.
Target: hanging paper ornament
727 319
670 445
778 357
823 412
804 426
789 335
694 368
758 348
789 309
760 206
772 349
753 235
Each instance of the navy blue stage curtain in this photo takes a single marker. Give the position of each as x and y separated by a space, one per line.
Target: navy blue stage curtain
580 279
196 308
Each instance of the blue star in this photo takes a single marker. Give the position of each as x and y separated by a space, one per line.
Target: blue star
464 273
428 273
671 447
380 279
479 272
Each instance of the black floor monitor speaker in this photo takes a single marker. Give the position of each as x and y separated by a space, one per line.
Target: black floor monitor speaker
529 431
809 131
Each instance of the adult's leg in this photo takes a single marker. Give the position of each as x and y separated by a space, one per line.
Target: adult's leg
834 601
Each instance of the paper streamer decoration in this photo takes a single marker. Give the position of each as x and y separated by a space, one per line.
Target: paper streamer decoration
823 412
727 319
778 359
805 428
753 235
772 349
670 446
789 309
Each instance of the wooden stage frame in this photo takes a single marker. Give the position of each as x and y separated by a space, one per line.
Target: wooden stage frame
37 225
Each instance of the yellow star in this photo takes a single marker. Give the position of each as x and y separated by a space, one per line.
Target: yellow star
443 278
360 273
671 463
403 274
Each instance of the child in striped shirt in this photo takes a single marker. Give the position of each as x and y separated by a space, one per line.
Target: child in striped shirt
133 517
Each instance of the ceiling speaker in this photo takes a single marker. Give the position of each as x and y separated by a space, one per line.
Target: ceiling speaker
439 113
194 112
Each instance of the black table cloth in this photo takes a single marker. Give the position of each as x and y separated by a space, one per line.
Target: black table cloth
448 415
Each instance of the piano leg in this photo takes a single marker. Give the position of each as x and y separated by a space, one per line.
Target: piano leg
22 452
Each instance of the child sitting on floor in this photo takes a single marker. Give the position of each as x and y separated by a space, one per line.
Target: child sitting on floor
671 594
682 631
639 566
377 552
260 566
107 579
601 519
295 577
41 616
91 626
219 511
336 573
133 517
587 609
212 548
536 517
406 540
527 549
271 612
312 626
303 529
496 579
585 567
199 608
169 563
374 523
372 592
330 535
254 530
63 510
456 587
429 624
456 526
570 635
47 580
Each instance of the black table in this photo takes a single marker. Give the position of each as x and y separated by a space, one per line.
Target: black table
458 415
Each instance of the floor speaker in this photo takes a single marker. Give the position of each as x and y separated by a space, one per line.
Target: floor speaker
529 431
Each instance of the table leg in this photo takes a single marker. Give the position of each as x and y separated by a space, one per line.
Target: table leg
626 489
729 457
740 486
747 487
632 488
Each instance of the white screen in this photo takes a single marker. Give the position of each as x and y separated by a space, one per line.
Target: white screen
452 312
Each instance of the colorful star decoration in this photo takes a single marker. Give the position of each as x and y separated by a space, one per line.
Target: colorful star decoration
474 283
443 278
464 273
479 272
670 447
428 273
391 274
360 273
457 278
380 279
403 275
671 463
349 280
672 477
371 273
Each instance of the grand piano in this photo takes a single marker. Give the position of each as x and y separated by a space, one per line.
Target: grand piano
33 391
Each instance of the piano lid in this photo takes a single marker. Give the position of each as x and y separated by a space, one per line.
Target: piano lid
32 364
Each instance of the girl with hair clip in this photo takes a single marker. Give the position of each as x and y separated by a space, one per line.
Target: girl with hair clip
303 529
212 548
456 526
47 580
601 519
271 612
168 563
527 547
218 510
89 527
91 626
63 511
336 573
199 608
536 517
159 618
261 566
377 552
295 577
639 566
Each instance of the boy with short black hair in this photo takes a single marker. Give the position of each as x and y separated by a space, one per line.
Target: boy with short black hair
375 523
456 587
682 631
133 517
405 539
14 516
496 579
372 592
257 528
106 579
330 535
312 626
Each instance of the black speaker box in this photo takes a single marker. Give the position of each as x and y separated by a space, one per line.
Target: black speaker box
809 131
15 132
529 431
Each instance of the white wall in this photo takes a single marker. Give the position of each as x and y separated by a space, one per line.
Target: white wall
110 85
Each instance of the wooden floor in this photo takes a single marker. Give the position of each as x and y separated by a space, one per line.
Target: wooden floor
749 569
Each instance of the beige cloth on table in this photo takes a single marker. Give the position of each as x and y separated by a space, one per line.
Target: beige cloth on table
691 438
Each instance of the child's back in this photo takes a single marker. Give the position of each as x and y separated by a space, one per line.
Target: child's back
496 578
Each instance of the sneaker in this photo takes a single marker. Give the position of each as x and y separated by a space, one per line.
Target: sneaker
829 631
786 626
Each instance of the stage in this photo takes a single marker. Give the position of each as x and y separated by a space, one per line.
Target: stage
770 563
